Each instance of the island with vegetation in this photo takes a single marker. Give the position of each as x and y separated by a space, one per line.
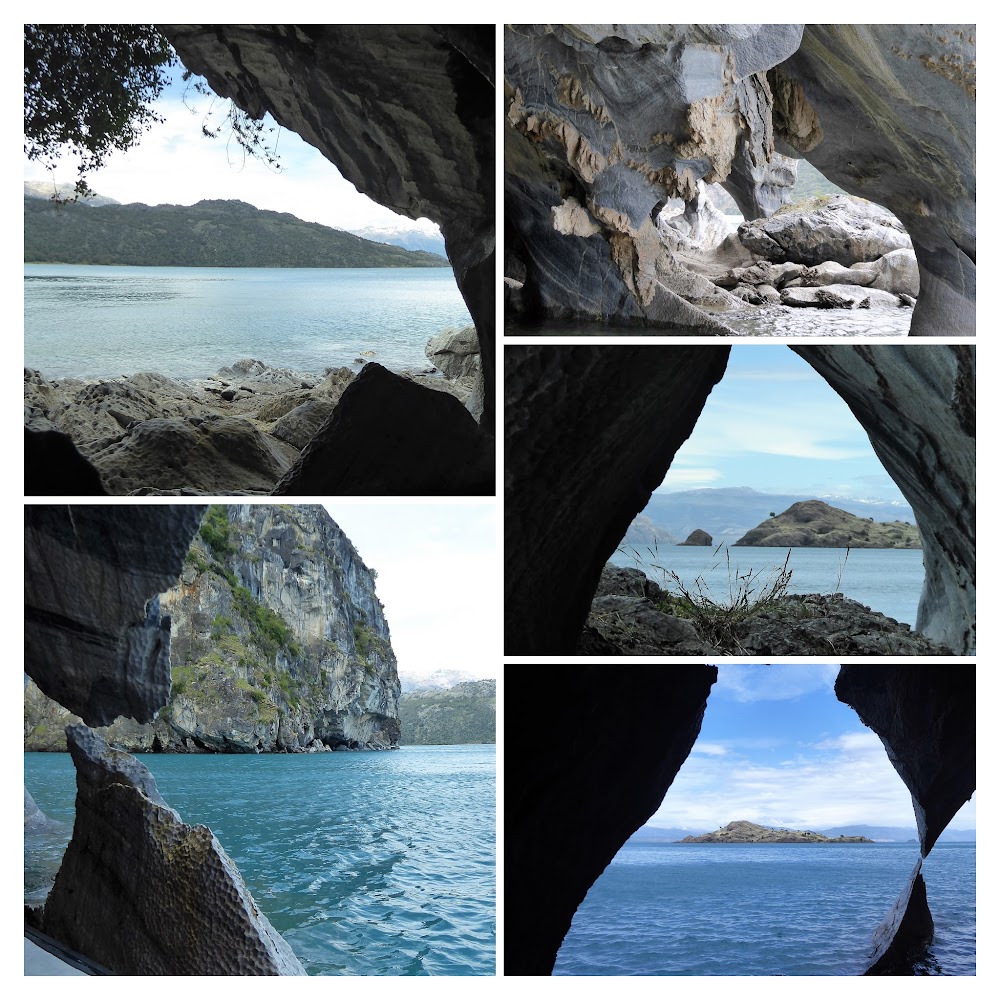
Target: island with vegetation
815 524
209 234
742 831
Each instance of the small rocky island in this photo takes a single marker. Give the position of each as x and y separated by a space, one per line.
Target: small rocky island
815 524
742 831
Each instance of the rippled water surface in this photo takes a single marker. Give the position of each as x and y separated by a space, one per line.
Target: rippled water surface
187 322
367 863
885 580
764 909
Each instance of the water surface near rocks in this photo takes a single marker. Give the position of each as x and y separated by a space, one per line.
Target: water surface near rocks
367 863
764 909
187 322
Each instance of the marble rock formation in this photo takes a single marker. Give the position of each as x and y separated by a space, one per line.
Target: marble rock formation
387 430
621 119
405 112
918 406
904 934
608 122
926 717
589 433
94 638
577 797
35 821
698 537
143 893
888 113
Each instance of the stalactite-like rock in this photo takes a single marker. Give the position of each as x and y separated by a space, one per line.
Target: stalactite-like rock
94 640
144 894
576 798
926 717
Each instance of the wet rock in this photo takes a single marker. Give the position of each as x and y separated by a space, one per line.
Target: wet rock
835 228
94 639
391 436
132 865
903 936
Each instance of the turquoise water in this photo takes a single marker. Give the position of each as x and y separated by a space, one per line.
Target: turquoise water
764 910
885 580
187 322
367 863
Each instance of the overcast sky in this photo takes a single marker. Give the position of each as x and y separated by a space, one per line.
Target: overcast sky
777 748
437 569
175 164
774 424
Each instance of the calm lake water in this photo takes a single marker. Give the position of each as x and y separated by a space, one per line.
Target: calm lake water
764 910
367 863
187 322
885 580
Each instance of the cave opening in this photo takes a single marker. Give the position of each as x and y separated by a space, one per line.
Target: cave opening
778 466
776 751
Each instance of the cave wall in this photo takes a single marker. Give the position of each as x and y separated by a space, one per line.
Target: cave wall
918 405
405 112
589 433
605 122
612 741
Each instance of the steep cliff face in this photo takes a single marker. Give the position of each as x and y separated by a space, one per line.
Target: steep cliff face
279 643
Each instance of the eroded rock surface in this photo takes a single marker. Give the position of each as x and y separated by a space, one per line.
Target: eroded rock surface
94 637
902 937
918 405
926 717
576 798
143 893
589 434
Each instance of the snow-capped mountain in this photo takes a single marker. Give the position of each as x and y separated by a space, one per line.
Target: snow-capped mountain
419 235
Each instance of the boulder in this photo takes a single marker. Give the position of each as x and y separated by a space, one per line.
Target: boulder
830 228
698 537
143 893
840 297
455 352
897 272
389 435
832 273
634 626
299 426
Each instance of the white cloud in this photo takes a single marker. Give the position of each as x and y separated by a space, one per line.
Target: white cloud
680 476
773 682
711 749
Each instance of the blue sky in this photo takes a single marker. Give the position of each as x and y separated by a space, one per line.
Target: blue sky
777 748
774 424
437 565
175 164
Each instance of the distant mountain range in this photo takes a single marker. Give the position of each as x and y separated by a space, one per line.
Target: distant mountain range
880 834
47 190
208 234
421 235
729 513
465 713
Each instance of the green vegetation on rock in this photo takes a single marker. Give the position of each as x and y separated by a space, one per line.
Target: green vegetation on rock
465 713
208 234
815 524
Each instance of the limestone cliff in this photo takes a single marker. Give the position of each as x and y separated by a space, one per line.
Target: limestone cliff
279 643
815 524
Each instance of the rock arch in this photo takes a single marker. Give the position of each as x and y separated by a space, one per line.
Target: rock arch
623 116
616 737
591 431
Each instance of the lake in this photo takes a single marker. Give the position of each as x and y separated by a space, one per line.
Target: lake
885 580
367 863
764 910
188 322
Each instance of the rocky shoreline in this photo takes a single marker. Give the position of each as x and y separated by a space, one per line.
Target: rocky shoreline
632 616
742 831
236 432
